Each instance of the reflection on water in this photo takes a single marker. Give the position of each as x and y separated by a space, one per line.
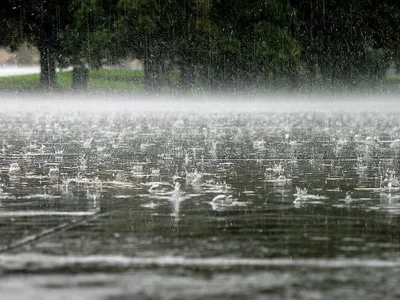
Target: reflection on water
201 185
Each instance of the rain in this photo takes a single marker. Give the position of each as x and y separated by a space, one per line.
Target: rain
199 149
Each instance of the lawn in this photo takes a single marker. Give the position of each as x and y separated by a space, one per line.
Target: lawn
126 80
122 80
393 83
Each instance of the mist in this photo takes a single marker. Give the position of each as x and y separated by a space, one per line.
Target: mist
198 102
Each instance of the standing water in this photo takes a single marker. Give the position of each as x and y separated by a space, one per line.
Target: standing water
199 199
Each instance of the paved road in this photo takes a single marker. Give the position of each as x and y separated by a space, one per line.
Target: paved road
20 70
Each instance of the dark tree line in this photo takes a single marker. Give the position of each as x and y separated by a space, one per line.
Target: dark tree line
41 23
348 41
218 44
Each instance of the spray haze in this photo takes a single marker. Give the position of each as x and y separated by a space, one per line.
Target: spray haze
198 103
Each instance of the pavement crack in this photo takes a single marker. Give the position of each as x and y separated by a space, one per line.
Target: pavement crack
32 239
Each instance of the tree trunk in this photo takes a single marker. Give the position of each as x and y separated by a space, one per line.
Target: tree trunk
80 78
148 74
152 74
47 67
187 77
214 73
153 61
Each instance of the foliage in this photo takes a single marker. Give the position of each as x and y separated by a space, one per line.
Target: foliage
219 44
254 42
89 39
41 24
164 34
347 41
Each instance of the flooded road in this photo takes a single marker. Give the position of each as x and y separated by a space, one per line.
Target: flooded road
141 201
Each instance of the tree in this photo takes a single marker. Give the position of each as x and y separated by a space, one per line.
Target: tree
10 33
383 19
347 41
40 23
90 40
254 43
144 31
167 34
192 41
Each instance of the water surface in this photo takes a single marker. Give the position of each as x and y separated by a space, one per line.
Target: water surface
290 200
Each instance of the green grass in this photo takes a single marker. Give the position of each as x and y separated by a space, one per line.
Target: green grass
393 83
23 82
125 80
120 80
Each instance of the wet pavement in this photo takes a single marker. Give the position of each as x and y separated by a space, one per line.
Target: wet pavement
164 204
